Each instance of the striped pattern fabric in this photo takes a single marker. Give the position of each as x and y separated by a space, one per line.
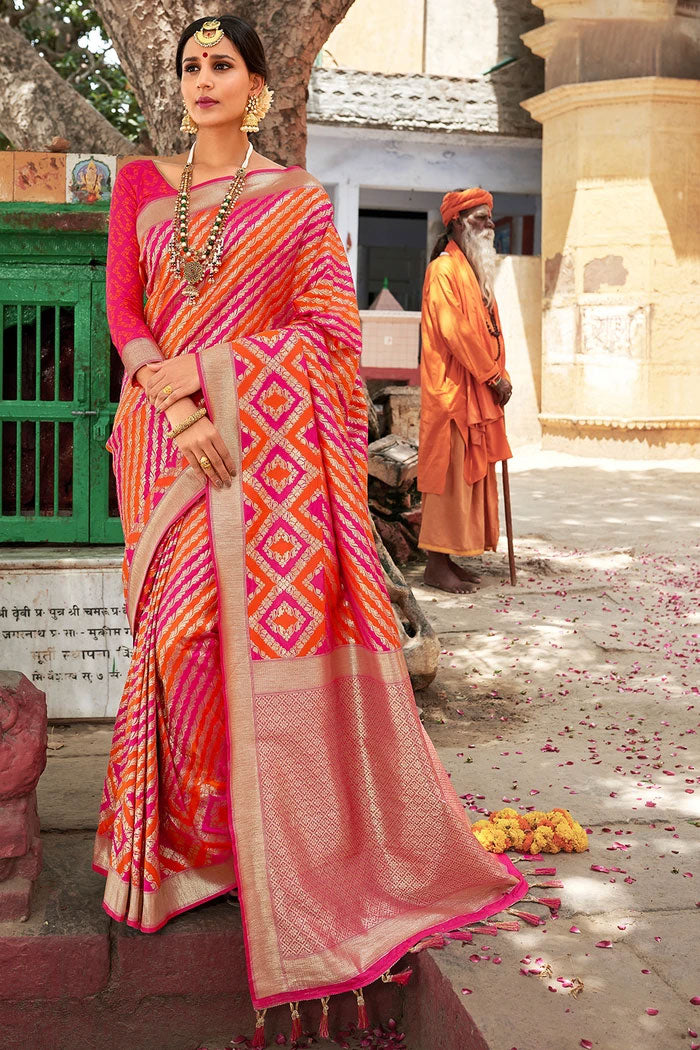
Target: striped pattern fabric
267 736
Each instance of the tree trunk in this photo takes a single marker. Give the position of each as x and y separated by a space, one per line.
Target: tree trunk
421 646
37 105
292 35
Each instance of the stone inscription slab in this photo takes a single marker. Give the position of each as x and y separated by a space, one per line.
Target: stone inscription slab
65 628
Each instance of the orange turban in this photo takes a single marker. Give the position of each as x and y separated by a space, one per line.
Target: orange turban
459 200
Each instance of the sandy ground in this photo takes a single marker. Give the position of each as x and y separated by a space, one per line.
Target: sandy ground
580 688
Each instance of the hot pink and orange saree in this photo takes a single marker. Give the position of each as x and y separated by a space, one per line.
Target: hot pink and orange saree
268 738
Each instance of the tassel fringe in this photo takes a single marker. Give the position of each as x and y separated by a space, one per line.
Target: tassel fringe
403 977
296 1021
323 1032
259 1037
436 940
362 1022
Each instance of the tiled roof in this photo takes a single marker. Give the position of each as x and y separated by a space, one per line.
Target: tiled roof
488 105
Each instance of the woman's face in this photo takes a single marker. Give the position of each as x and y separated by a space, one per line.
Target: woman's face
216 83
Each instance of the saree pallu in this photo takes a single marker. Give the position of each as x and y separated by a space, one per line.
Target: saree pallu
267 737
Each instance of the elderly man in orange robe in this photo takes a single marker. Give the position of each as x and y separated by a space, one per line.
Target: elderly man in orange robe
464 386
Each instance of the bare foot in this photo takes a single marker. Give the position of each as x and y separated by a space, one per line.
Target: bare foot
440 572
444 579
464 574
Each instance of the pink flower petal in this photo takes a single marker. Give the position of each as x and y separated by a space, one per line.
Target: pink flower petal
604 944
586 1044
574 929
466 991
651 1011
695 1001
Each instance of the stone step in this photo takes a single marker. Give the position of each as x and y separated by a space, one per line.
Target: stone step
72 979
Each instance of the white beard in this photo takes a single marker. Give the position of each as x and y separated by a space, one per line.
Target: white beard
481 255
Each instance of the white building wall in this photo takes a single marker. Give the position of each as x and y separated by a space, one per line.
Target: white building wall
411 169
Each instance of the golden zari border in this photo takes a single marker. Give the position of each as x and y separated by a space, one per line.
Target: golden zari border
211 194
178 893
226 524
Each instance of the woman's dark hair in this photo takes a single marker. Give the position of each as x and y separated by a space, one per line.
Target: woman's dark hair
242 36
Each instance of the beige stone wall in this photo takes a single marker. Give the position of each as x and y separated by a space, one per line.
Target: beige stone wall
384 37
518 292
621 250
448 38
461 40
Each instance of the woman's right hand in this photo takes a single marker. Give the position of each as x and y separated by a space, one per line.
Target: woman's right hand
199 440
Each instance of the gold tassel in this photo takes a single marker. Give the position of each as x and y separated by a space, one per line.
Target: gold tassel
296 1022
323 1032
259 1037
362 1022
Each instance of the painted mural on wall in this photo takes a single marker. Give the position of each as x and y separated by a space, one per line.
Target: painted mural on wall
89 178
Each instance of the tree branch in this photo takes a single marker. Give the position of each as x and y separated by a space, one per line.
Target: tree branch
37 105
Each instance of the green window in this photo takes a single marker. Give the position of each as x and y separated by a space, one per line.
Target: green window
59 377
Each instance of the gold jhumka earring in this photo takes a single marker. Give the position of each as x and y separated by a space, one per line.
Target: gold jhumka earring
188 125
256 109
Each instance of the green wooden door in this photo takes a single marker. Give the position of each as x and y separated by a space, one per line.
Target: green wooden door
59 379
45 431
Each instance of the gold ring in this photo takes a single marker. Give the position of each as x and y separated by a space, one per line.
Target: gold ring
167 390
205 462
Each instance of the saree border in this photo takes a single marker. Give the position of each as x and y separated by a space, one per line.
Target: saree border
183 492
227 532
384 963
149 911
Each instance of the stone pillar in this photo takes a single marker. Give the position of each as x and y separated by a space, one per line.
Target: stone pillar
620 234
22 759
347 220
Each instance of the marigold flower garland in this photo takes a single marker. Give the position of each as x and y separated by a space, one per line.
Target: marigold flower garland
535 832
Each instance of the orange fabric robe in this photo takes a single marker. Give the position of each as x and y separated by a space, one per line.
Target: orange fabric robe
458 357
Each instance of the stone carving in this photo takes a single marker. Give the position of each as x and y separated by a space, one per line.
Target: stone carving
614 330
22 759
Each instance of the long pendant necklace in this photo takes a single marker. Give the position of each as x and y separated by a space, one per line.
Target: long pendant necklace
194 265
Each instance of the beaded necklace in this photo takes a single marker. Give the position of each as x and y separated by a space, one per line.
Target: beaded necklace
195 265
493 328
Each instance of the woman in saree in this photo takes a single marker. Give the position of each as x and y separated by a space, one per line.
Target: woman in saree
267 740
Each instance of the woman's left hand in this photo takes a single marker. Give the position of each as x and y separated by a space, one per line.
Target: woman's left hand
172 380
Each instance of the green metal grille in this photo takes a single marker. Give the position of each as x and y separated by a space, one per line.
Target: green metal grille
59 380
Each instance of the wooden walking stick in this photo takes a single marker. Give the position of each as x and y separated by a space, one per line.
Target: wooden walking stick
509 521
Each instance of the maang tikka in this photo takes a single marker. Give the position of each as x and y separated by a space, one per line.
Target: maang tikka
210 33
